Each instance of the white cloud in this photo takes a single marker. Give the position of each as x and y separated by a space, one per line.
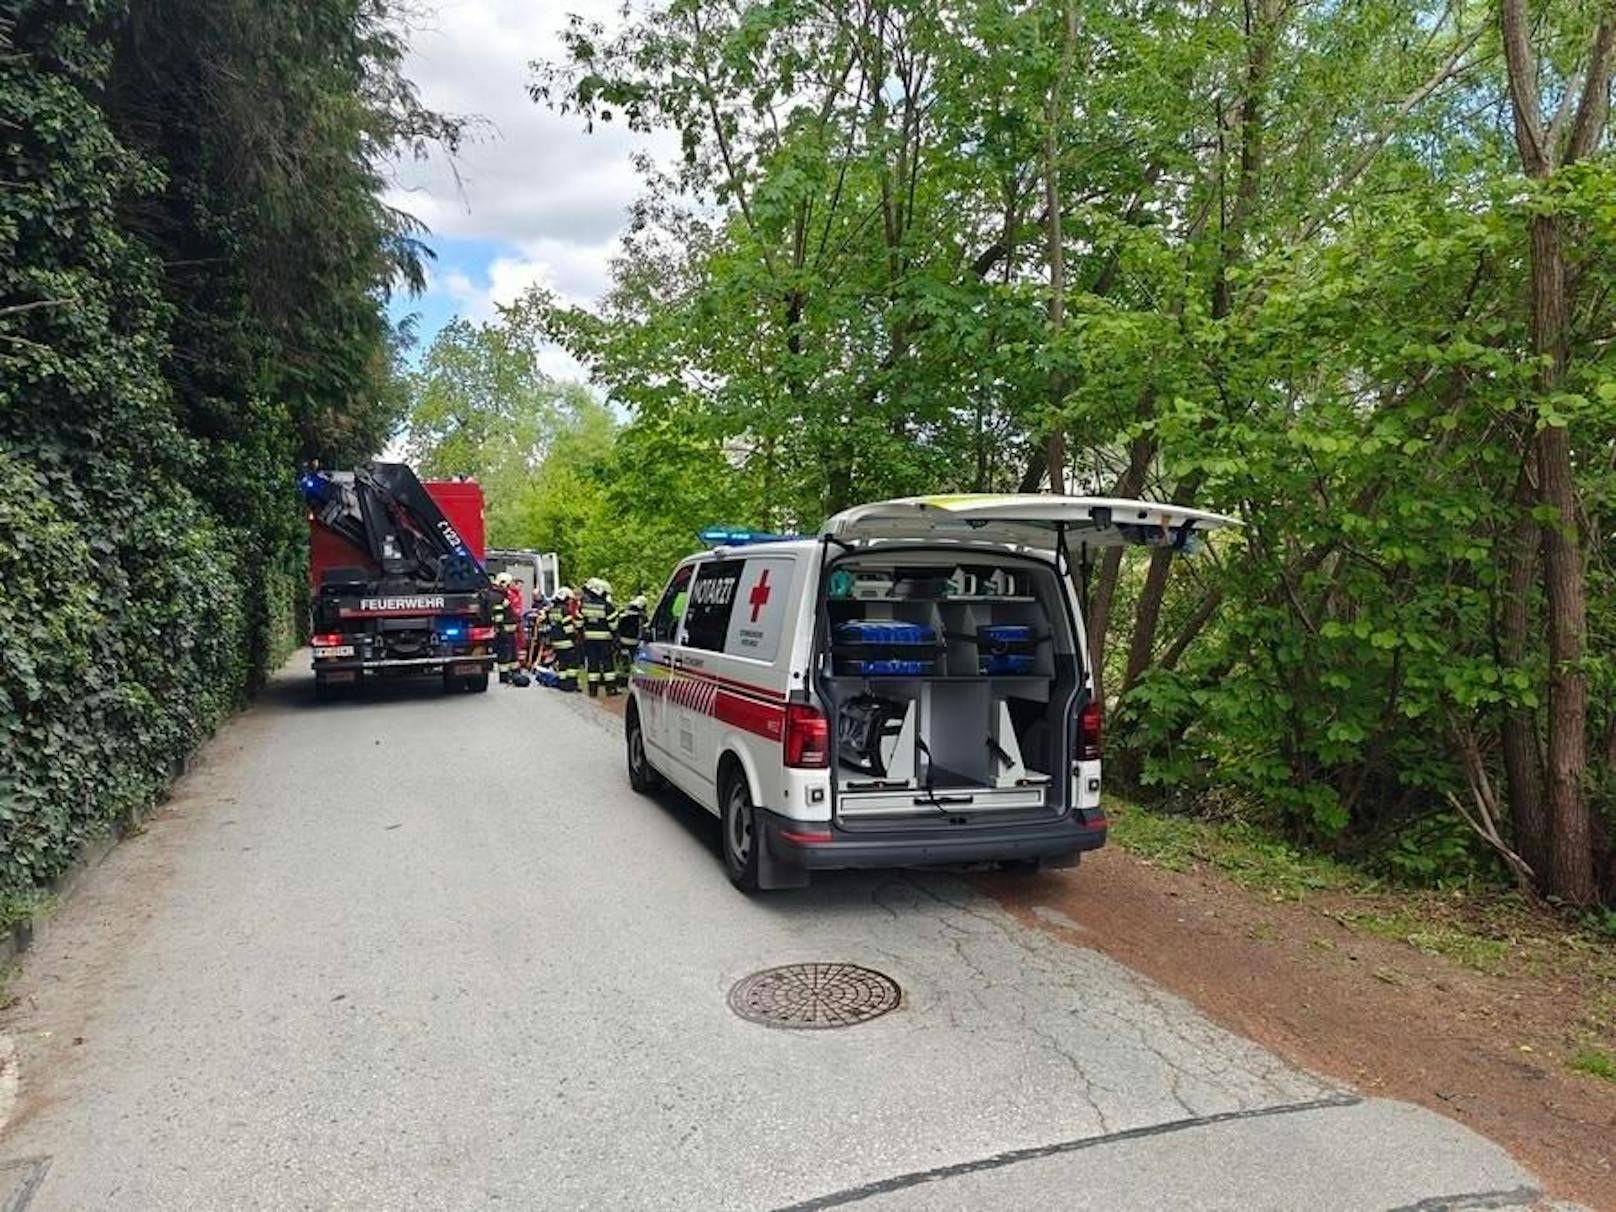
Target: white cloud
532 178
457 284
561 365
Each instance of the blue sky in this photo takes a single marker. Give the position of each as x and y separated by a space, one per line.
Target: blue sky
467 257
532 198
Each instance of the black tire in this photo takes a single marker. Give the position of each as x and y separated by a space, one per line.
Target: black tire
325 690
741 837
642 776
477 683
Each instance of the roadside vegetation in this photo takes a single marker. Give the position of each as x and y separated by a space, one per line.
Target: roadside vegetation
1341 272
193 263
1477 922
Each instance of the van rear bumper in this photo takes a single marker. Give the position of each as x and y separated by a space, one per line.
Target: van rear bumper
822 845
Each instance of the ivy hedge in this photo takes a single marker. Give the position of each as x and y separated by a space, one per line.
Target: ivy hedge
159 381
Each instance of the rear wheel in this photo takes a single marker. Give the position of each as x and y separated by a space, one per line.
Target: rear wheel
642 776
477 682
324 689
741 837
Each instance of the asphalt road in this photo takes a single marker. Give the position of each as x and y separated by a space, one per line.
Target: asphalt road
428 951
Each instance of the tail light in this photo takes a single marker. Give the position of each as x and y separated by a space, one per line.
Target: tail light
482 633
807 737
328 639
1088 732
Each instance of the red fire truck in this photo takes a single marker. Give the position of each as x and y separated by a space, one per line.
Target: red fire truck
396 578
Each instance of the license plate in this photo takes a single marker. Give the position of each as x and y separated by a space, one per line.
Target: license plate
340 650
462 670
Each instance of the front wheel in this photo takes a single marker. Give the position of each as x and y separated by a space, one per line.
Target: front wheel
741 838
642 776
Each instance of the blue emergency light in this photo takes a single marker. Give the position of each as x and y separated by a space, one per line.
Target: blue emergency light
452 631
723 536
316 487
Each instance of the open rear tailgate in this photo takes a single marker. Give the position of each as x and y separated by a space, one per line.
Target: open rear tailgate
1032 520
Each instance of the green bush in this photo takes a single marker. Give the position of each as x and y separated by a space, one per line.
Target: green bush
185 312
117 660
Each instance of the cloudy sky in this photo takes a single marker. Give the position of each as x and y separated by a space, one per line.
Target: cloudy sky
538 199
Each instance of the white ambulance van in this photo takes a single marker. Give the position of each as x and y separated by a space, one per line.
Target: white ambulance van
910 687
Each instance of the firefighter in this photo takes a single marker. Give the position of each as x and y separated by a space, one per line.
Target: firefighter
513 594
597 614
629 626
505 617
563 642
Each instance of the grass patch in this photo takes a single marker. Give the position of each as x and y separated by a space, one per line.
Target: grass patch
1595 1062
1487 930
1425 933
1250 858
21 906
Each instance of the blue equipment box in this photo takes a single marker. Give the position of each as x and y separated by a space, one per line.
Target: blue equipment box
884 648
1006 648
884 631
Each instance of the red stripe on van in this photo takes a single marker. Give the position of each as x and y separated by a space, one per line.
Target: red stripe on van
763 719
762 692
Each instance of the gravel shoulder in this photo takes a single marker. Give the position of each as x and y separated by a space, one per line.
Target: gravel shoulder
1487 1049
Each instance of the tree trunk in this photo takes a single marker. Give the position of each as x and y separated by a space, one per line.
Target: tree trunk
1570 840
1523 760
1199 618
1129 484
1571 835
1261 27
1571 870
1055 446
1148 613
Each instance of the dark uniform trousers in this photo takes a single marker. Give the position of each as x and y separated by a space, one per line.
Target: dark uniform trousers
598 645
628 626
565 647
505 640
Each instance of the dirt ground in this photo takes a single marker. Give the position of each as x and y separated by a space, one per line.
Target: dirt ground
1374 1012
1486 1050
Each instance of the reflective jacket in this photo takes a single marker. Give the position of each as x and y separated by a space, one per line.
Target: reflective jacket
597 616
559 621
629 624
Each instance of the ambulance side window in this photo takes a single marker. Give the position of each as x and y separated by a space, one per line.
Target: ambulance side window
712 598
665 622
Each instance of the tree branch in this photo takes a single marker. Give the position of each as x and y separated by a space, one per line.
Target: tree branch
1366 155
1516 32
1591 110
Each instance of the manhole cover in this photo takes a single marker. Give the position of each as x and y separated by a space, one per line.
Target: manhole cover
814 996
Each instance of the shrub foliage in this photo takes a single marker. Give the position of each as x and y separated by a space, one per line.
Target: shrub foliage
193 262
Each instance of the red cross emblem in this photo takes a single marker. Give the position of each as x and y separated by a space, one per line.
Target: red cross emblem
760 595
